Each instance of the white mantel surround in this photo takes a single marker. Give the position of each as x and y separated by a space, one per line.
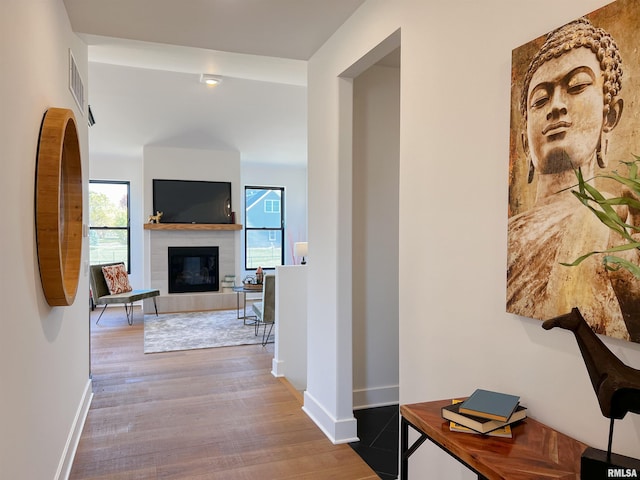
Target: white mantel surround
161 240
176 163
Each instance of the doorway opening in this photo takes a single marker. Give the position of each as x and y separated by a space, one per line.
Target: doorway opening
375 196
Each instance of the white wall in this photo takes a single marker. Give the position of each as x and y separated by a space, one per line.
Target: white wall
376 141
44 351
454 146
290 330
329 395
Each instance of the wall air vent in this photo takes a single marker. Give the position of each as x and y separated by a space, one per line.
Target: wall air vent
75 83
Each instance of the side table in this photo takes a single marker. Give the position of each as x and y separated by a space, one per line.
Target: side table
244 291
535 451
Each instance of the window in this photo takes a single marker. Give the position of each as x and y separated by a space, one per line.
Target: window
264 227
109 232
272 206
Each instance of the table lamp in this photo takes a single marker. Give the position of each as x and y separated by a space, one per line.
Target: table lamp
301 249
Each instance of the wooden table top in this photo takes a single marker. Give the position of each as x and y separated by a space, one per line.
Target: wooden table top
535 451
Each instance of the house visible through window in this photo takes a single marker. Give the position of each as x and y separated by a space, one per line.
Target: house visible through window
264 227
109 232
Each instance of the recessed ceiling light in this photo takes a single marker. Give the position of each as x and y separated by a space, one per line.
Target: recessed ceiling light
211 80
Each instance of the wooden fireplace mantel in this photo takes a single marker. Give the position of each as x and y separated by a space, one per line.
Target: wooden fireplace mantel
192 226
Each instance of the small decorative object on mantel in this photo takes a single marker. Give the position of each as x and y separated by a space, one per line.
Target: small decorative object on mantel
155 218
617 387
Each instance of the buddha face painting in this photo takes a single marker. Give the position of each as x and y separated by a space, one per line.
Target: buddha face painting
566 103
570 99
565 113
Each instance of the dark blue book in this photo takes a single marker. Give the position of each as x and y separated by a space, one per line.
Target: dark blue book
491 405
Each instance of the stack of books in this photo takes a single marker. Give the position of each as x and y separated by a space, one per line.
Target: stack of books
485 412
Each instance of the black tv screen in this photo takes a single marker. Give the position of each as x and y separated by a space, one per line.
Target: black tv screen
192 201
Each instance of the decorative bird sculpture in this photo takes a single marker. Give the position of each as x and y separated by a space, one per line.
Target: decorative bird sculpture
617 385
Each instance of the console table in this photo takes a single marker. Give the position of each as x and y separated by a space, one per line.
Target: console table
535 451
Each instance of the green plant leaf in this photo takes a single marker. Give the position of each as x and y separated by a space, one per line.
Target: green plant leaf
621 263
579 260
603 209
589 195
618 248
629 182
622 248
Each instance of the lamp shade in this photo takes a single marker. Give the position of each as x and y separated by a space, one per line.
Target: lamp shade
301 249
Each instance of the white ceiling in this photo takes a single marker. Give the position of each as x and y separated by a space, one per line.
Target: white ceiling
146 57
273 28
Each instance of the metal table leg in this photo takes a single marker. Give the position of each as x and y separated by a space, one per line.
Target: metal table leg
238 304
244 316
405 450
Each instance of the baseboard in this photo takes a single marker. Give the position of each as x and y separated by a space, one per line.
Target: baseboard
376 397
69 452
277 368
338 431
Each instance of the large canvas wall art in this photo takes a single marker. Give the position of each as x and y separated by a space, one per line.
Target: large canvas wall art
575 96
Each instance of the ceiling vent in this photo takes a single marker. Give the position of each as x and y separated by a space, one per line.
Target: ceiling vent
75 83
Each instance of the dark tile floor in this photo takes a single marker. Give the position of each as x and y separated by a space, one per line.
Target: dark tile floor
378 431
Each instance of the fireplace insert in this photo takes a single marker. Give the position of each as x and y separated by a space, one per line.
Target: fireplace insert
193 269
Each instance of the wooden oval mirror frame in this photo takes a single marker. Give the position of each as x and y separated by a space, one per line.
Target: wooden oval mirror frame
58 206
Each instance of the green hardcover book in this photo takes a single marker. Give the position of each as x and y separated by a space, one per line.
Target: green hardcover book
488 404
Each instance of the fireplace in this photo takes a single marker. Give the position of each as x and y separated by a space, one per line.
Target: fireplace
193 269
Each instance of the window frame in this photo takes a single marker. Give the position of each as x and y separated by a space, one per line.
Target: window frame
271 230
126 228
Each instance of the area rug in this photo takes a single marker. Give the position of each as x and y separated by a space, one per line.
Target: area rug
170 332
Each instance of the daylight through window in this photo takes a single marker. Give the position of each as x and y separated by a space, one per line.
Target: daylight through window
264 227
109 233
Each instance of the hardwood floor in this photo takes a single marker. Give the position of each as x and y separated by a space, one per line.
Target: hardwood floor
200 414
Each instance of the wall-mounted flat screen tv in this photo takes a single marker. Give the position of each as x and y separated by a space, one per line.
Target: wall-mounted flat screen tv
192 201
